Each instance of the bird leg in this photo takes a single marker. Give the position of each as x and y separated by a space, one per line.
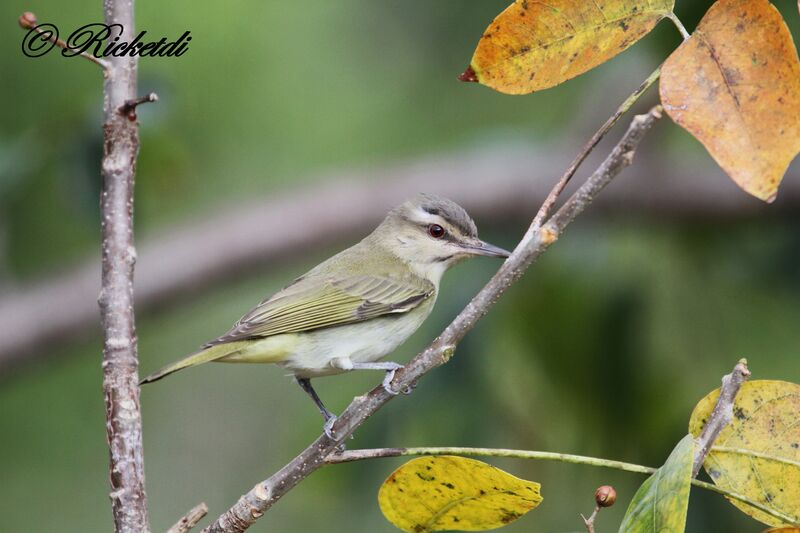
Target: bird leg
329 417
344 363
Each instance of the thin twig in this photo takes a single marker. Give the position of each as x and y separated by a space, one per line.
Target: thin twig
589 522
28 22
120 358
129 107
722 413
190 519
253 504
349 456
624 107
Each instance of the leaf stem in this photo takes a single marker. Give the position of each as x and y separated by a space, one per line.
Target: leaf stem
374 453
678 24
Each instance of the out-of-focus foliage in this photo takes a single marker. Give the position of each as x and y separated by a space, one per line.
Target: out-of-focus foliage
758 453
735 85
536 45
661 503
600 350
451 493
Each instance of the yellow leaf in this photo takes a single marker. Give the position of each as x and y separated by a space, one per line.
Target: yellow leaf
735 85
783 530
533 45
758 453
661 503
454 493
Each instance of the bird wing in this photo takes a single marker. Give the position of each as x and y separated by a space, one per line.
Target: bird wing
306 305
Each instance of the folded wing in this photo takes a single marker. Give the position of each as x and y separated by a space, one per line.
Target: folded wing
312 304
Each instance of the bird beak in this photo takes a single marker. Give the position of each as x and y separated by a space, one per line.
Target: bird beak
486 249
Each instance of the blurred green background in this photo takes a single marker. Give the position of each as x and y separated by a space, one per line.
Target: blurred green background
603 349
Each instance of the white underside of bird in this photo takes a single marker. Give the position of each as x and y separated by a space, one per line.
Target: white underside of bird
329 351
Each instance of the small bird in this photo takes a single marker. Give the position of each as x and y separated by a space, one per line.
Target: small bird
352 310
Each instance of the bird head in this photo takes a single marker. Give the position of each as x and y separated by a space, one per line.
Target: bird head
431 234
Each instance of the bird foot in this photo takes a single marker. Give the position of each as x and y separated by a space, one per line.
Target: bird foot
328 426
387 380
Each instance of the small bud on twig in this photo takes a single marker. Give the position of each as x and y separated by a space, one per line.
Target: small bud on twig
605 496
27 20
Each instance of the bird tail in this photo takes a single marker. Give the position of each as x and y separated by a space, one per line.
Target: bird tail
212 353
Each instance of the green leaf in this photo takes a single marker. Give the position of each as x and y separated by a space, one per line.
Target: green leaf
660 504
454 493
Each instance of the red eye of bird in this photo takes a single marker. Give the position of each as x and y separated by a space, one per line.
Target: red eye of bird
436 231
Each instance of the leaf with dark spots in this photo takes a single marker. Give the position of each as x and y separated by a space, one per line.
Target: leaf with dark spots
558 40
477 496
757 454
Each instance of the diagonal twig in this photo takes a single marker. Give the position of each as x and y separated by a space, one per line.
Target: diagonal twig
264 494
190 519
587 148
27 21
722 414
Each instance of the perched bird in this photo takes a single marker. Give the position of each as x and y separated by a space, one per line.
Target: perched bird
352 310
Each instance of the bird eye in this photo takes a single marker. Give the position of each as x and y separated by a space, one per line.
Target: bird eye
436 231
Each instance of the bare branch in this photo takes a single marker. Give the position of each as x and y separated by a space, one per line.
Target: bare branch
722 414
120 360
190 519
252 505
27 21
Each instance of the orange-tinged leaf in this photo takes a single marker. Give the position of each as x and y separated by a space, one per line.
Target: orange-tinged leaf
735 85
454 493
758 453
533 45
783 530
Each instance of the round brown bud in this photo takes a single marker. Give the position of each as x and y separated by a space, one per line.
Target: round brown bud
27 20
605 496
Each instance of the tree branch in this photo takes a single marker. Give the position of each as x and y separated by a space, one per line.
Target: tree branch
120 360
722 414
252 505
